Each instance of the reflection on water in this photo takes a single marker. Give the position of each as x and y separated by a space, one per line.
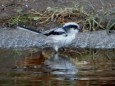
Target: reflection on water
70 69
62 67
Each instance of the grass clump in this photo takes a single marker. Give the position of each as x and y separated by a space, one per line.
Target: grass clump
111 21
50 14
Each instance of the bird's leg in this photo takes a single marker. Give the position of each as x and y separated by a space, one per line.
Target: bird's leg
56 49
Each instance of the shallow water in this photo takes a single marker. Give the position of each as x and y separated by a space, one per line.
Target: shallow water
69 68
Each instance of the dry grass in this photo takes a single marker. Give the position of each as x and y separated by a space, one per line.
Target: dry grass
89 21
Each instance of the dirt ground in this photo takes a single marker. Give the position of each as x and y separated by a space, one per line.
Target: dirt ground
9 8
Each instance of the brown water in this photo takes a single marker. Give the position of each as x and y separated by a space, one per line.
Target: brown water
70 68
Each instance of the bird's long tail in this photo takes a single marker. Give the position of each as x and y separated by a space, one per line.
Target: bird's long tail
26 28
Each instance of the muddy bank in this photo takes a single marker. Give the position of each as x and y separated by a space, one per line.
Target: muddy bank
10 7
13 38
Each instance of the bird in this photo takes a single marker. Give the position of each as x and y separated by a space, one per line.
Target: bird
61 36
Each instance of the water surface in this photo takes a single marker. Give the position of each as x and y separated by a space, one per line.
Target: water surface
82 67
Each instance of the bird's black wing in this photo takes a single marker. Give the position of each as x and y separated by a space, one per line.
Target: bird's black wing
58 31
54 33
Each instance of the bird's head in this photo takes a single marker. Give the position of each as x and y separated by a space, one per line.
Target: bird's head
71 27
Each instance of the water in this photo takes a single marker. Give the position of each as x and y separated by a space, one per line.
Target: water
71 68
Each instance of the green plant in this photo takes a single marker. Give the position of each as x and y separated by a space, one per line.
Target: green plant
111 20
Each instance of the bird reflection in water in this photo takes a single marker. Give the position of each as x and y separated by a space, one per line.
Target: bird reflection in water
62 67
56 65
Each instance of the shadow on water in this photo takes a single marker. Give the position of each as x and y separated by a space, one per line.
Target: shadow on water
82 67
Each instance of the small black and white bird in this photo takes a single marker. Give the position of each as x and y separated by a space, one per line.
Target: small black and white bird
59 36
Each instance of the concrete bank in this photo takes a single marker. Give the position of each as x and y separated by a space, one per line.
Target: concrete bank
13 38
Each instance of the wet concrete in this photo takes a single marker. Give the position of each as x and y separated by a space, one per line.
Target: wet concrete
13 38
